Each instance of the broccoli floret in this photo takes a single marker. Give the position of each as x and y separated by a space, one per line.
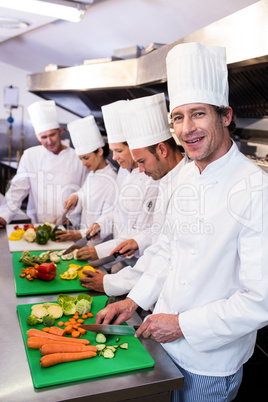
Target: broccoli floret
48 321
33 320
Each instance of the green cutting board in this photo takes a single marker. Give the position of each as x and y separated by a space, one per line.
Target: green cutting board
135 357
57 285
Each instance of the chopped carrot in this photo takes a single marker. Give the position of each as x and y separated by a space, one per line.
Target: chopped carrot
36 342
89 315
75 334
66 323
56 358
80 321
58 347
37 332
60 323
22 275
84 316
68 329
46 329
72 321
56 331
82 331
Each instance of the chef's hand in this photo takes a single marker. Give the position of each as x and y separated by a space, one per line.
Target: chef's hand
123 310
2 223
71 202
93 230
161 327
93 281
65 235
87 253
126 248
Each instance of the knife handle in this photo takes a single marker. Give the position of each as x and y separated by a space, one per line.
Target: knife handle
88 237
117 254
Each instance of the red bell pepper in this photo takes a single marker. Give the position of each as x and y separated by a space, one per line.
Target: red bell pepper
46 271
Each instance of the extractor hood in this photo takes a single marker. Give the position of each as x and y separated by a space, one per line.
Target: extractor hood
84 89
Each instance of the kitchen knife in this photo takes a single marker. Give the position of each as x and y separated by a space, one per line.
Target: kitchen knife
110 329
60 220
79 243
105 260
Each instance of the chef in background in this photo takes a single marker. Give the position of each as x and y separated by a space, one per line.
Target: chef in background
215 296
132 216
47 173
98 194
145 122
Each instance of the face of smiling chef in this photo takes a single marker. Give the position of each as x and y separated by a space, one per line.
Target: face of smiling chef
51 140
201 132
122 155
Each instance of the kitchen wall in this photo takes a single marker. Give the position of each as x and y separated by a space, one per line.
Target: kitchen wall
17 78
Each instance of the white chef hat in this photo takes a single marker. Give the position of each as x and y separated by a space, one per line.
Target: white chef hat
112 122
85 135
197 74
43 115
145 121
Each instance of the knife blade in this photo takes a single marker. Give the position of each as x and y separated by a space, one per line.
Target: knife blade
105 260
79 243
110 329
59 222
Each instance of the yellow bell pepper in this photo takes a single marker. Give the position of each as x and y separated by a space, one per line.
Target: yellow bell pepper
70 274
85 267
16 235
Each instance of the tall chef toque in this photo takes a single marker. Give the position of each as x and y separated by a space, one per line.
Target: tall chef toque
112 122
197 74
43 115
145 121
85 135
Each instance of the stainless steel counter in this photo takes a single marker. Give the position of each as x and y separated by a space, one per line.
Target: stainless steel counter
15 378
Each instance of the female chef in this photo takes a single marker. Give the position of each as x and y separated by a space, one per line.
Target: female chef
132 216
97 195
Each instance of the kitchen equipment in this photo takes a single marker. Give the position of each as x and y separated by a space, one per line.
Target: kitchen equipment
109 329
80 243
21 245
105 260
24 287
60 221
135 357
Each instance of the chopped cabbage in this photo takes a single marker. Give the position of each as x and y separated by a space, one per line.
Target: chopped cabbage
62 297
68 307
55 311
39 311
83 306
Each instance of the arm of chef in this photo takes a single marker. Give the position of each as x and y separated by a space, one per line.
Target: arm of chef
227 320
19 189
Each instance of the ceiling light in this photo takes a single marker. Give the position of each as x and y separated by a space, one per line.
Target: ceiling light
60 9
13 23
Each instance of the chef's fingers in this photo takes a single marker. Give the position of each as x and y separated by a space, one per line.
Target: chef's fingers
142 330
93 230
91 274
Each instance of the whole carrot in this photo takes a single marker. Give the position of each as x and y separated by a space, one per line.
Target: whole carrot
36 342
36 332
59 347
57 358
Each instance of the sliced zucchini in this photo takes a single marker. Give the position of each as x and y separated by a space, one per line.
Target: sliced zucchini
124 345
112 348
100 338
100 346
117 339
108 353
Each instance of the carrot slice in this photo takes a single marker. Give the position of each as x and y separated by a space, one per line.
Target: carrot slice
56 331
36 342
56 358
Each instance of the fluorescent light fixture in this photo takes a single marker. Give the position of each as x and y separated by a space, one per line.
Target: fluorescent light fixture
60 9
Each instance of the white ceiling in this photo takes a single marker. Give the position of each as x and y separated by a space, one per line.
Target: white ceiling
107 25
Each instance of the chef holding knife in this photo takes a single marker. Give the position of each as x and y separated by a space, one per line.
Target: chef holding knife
145 122
98 194
47 173
215 296
132 216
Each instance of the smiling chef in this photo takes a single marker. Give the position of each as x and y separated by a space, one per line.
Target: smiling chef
215 296
48 173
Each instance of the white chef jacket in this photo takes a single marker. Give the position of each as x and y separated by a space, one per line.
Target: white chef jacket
48 179
123 281
216 233
96 197
133 213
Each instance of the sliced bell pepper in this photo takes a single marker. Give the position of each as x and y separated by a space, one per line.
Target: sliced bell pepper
46 271
16 235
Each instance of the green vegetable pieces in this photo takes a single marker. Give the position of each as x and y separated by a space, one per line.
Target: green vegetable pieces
45 313
43 233
71 304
